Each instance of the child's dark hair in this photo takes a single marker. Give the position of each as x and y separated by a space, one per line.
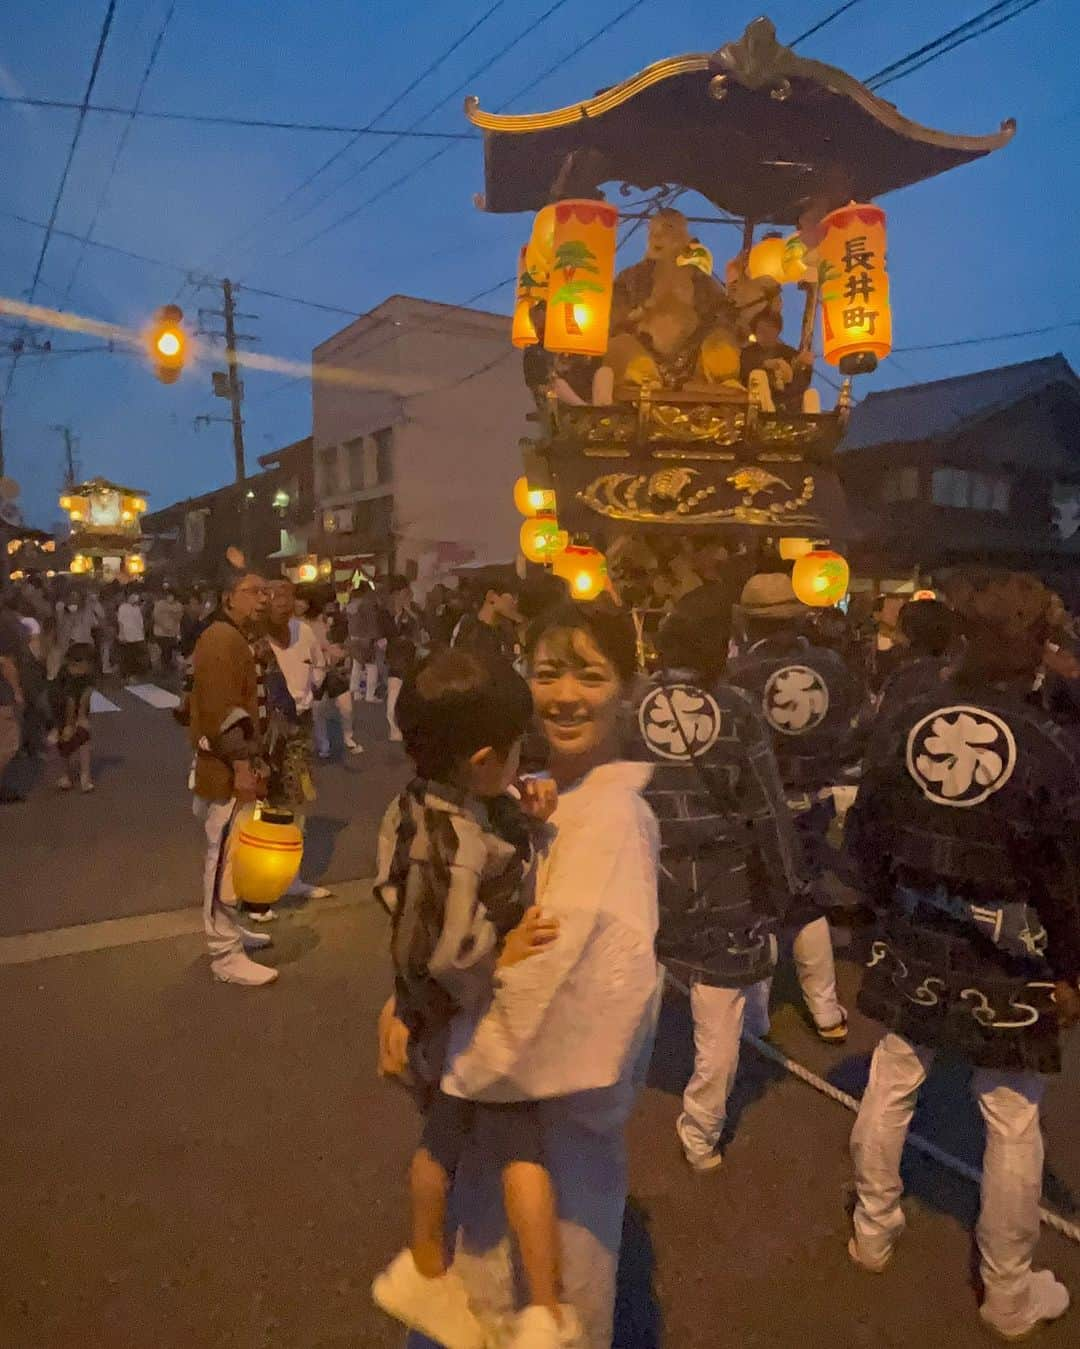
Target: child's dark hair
457 704
928 625
79 653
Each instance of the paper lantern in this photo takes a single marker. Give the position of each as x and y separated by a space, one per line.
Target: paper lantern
80 565
134 564
530 501
584 570
792 549
267 848
820 579
766 258
856 318
541 539
529 289
795 263
307 572
540 250
582 275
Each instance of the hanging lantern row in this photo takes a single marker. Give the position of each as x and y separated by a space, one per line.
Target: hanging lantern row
856 317
569 263
820 578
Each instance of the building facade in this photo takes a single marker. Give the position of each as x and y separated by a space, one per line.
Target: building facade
417 410
187 541
982 468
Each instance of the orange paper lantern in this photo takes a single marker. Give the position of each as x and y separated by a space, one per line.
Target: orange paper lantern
267 849
584 570
766 258
792 549
820 579
582 276
541 539
856 317
530 501
529 290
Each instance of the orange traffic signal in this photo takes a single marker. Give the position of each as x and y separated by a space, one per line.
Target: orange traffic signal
168 343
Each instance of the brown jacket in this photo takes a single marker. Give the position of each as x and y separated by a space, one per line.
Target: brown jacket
224 698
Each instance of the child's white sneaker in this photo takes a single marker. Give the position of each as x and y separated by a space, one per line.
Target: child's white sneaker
1015 1317
438 1308
537 1328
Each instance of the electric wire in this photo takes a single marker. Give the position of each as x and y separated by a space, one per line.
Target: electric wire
103 37
956 37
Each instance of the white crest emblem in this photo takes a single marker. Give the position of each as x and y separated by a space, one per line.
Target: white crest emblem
795 700
679 722
961 755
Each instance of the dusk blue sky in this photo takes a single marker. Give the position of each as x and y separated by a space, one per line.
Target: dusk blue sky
988 248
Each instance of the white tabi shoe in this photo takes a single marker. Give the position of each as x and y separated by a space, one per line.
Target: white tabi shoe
237 968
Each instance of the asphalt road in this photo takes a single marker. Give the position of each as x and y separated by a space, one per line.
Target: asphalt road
189 1164
133 846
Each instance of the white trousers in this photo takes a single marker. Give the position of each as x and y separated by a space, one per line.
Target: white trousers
366 675
812 952
219 898
1008 1226
393 690
719 1015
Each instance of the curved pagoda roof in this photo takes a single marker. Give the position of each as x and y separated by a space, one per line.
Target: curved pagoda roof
758 130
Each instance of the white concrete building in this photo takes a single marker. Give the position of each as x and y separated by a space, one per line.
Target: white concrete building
417 410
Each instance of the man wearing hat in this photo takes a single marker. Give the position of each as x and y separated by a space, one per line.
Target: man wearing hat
729 857
809 699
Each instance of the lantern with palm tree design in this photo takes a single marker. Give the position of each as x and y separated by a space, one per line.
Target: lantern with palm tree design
582 275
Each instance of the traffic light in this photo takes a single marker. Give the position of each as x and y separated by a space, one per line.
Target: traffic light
167 343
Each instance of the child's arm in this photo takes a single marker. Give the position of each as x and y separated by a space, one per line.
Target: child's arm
463 961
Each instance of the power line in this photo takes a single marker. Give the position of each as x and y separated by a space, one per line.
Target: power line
992 337
404 178
50 227
824 23
121 145
466 83
972 28
368 129
219 119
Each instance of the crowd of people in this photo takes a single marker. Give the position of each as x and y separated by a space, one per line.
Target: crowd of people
579 830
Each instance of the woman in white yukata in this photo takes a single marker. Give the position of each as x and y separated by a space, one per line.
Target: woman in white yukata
571 1028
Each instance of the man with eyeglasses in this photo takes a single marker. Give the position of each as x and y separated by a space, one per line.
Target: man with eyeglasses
227 711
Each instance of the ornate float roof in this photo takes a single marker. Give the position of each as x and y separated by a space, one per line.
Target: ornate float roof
753 127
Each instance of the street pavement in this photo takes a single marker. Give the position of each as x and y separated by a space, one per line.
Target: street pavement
190 1164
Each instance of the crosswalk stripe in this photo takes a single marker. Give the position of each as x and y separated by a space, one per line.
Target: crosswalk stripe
150 693
99 703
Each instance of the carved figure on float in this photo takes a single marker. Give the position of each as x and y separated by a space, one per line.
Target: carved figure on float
673 324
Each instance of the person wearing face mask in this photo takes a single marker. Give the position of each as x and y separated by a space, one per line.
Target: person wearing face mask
226 728
77 619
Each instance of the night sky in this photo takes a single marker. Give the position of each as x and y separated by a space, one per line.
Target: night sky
986 249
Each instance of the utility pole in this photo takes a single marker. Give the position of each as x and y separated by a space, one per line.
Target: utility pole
69 455
232 388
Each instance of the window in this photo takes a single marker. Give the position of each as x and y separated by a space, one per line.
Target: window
384 449
328 470
374 517
966 489
900 484
355 451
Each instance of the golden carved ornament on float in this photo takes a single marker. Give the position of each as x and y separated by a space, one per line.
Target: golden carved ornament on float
856 316
582 276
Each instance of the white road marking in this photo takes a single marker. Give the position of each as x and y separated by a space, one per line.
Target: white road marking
99 703
150 693
27 947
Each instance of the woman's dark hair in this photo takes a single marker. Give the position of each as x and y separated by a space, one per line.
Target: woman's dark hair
457 704
612 632
928 625
1004 619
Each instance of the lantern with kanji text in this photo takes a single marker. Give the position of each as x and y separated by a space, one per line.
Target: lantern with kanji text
820 578
856 317
582 275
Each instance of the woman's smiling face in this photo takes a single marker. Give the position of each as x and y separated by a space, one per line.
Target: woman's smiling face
576 692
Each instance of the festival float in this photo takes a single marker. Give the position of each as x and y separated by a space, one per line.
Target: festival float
676 428
106 538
